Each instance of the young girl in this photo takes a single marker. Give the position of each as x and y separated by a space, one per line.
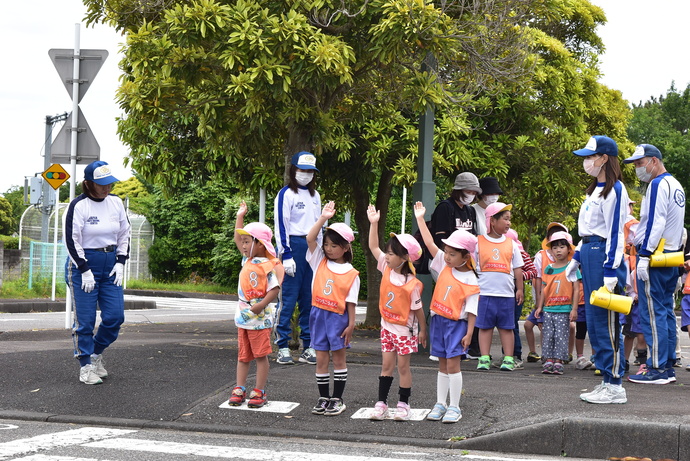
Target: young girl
334 296
500 283
558 304
453 312
259 284
402 317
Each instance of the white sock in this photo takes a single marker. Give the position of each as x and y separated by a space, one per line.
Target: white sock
442 383
455 380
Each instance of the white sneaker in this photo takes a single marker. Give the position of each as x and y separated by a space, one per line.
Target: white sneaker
380 412
284 357
402 412
583 363
596 390
97 361
612 393
87 375
308 356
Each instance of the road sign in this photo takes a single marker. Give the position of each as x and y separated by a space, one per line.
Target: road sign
55 175
88 149
90 62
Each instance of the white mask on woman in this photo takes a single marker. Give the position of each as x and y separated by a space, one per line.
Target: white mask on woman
489 199
466 198
590 169
303 178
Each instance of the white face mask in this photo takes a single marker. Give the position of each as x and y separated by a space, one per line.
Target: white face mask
466 198
642 173
303 178
590 169
489 199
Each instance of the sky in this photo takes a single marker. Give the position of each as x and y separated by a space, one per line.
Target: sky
645 52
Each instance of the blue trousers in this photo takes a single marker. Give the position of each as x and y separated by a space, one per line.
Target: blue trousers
657 319
106 295
517 350
295 291
602 324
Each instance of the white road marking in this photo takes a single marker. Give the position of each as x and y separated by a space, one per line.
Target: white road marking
55 458
8 426
416 414
154 446
57 439
272 406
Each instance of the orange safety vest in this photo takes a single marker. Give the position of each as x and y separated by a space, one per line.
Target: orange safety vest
545 261
330 290
394 301
558 291
450 295
582 293
686 287
495 257
254 278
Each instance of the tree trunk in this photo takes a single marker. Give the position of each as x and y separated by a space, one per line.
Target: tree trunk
299 139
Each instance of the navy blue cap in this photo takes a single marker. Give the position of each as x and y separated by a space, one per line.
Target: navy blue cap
100 173
643 150
598 145
304 161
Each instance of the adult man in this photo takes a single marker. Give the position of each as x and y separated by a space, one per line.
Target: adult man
661 217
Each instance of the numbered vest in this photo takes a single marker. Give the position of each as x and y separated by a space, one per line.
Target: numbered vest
254 278
557 290
330 290
545 261
686 287
394 301
450 295
495 257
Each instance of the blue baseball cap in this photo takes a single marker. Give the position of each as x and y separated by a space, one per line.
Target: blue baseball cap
598 145
304 161
100 173
644 150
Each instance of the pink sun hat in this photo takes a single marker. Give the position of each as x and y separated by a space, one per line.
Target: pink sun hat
560 235
343 230
262 233
493 209
462 240
410 244
514 235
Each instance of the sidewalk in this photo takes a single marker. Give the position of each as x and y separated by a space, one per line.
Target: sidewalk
177 376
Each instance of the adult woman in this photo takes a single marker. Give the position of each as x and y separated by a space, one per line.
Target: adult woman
297 208
600 224
96 234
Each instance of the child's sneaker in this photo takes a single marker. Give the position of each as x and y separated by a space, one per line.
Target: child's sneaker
237 397
533 357
453 415
484 363
557 368
508 364
380 411
320 407
402 412
335 407
569 359
583 363
284 357
547 368
519 364
257 399
437 412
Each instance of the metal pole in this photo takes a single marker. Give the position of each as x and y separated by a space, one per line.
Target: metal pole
262 205
75 113
55 243
45 189
404 210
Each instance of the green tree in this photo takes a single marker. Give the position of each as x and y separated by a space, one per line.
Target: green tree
7 222
15 196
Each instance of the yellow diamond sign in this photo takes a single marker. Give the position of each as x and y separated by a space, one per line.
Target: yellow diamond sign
55 175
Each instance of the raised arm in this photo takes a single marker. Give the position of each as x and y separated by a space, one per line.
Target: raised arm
374 215
239 223
313 235
419 212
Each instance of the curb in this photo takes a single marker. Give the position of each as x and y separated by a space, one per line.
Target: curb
24 306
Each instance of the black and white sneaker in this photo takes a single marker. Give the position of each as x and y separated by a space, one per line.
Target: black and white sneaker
335 407
321 405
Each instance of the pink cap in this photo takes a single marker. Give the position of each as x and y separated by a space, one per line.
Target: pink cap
462 239
262 233
514 235
410 244
493 209
560 235
343 230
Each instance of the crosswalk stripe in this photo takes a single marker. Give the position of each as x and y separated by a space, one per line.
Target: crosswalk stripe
54 458
56 440
189 449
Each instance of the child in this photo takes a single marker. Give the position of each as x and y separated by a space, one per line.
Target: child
453 312
332 318
558 304
529 273
260 279
500 284
685 302
402 317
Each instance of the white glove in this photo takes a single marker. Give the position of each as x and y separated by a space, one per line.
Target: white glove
611 283
289 266
643 269
87 281
118 270
571 270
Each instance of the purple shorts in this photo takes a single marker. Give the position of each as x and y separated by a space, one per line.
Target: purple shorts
581 315
685 312
631 322
533 319
446 336
495 311
326 328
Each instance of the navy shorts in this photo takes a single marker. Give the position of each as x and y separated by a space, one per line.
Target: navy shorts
326 328
533 319
495 311
446 336
685 312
